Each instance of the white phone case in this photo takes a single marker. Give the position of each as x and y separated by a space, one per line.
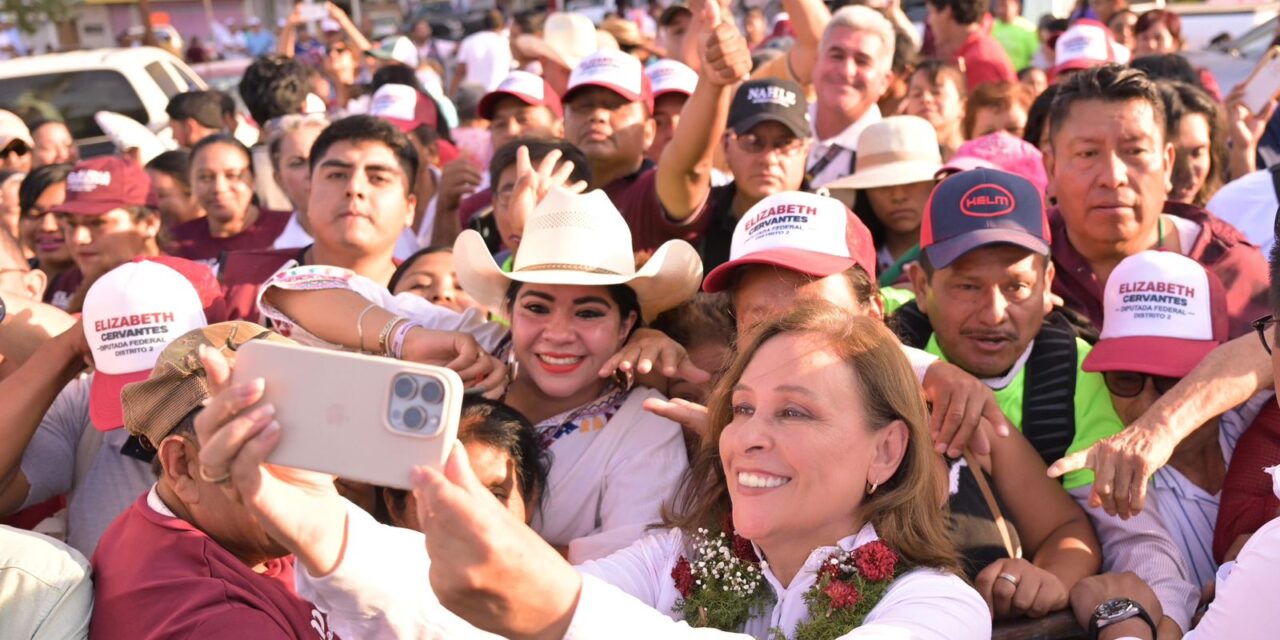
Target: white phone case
1264 83
335 411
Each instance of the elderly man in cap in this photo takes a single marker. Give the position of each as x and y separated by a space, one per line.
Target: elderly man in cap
186 536
983 303
64 437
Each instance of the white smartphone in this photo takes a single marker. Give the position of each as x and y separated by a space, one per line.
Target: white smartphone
1264 83
355 416
312 12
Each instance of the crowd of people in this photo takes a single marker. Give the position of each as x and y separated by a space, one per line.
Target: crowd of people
791 324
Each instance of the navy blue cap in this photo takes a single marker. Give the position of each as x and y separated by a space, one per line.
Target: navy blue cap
978 207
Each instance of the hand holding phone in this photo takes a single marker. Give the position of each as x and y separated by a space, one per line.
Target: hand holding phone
1263 84
361 417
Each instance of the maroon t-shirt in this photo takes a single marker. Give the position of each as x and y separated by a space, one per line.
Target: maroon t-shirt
636 197
473 204
191 239
62 287
984 60
1221 248
156 576
242 274
1248 500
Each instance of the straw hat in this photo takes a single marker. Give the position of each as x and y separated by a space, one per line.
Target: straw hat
579 239
896 150
566 39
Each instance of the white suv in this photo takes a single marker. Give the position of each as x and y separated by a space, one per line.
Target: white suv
73 86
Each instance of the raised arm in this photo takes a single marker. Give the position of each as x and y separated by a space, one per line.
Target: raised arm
360 43
1226 378
809 19
684 171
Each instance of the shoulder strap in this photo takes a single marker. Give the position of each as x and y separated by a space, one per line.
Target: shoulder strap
911 325
1048 394
1002 525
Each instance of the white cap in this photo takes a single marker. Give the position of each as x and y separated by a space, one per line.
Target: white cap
614 70
329 25
130 314
127 134
671 75
797 231
13 128
1087 43
398 48
314 104
1162 313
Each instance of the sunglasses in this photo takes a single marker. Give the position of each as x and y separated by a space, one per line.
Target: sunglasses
1128 384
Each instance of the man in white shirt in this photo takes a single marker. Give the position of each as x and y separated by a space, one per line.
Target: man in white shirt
484 58
1250 203
850 74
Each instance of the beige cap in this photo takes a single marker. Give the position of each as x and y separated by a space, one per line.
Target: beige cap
178 384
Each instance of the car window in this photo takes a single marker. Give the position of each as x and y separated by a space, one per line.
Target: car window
72 97
161 75
192 83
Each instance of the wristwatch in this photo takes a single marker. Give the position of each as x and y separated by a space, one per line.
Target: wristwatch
1115 611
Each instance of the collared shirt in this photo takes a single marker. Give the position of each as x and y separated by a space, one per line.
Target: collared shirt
841 163
1220 248
45 589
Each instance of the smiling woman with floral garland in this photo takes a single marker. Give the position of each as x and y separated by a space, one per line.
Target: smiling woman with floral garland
816 516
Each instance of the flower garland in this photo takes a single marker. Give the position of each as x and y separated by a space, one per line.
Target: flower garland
723 586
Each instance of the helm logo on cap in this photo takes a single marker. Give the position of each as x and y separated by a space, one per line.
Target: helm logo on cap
987 201
87 180
776 95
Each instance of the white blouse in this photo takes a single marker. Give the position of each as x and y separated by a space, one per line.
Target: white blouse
380 589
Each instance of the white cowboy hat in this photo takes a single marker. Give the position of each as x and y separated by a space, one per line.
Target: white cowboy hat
579 239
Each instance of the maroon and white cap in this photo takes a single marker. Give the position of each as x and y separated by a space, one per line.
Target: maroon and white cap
99 185
1088 43
526 87
616 71
671 76
1163 313
403 106
811 234
131 313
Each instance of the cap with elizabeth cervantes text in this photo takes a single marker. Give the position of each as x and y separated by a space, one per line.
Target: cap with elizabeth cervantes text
1163 313
178 384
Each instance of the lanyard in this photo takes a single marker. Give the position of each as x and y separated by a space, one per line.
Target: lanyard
822 162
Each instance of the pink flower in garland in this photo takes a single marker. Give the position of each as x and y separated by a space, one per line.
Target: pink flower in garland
875 561
842 594
683 575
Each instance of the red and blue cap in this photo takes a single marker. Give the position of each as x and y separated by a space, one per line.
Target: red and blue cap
979 207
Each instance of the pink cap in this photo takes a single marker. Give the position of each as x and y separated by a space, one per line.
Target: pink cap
814 235
1004 151
403 106
616 71
99 185
526 87
1163 313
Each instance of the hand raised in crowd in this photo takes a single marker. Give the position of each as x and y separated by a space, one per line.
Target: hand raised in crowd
479 551
1015 587
532 184
460 352
1122 463
652 351
960 403
724 54
690 415
301 510
458 179
1245 129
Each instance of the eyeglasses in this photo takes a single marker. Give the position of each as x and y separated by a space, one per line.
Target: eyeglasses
1261 325
751 143
1128 384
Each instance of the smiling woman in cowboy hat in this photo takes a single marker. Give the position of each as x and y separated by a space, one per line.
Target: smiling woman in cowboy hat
573 300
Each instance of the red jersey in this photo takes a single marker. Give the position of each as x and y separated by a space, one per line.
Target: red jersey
191 239
984 60
156 576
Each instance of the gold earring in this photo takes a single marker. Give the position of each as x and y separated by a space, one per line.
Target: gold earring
872 487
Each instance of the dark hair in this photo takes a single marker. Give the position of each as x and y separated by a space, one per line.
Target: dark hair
1169 19
39 180
221 138
414 257
274 85
176 164
621 294
396 73
993 95
929 269
496 425
904 53
1191 100
707 317
505 157
365 128
1038 115
186 428
207 108
963 11
934 70
1167 66
493 20
1108 83
1053 24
